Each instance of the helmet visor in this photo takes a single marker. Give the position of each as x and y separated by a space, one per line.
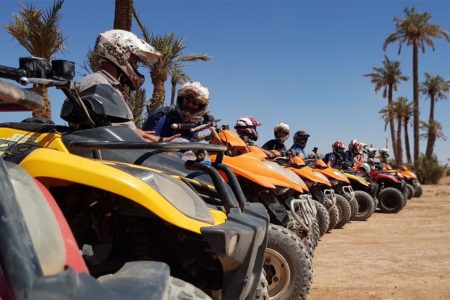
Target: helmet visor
301 140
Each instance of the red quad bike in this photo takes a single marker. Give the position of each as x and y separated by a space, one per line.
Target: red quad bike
39 256
391 190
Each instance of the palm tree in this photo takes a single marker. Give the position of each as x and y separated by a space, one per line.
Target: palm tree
404 107
178 76
123 17
432 131
415 31
137 101
385 112
401 110
436 88
387 78
123 14
171 49
40 34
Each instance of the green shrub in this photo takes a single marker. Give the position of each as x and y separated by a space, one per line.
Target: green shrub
429 171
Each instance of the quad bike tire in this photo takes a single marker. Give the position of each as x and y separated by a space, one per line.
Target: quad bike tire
345 211
354 206
366 206
409 191
262 291
418 191
391 200
287 265
322 217
181 290
312 238
334 217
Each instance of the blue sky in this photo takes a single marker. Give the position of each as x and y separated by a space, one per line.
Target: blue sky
298 62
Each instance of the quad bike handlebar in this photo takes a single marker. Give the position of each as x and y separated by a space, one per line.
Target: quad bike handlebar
172 146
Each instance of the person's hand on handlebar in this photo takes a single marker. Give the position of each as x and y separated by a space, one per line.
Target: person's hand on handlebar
150 136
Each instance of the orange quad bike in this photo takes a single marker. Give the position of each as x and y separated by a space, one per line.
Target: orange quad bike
345 197
341 185
282 193
413 187
239 154
318 185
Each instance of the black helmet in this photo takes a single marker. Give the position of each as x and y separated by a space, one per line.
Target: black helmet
300 138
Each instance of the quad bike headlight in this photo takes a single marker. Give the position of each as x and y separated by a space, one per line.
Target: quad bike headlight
175 191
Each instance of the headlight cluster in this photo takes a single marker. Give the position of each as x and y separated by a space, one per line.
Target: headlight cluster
174 191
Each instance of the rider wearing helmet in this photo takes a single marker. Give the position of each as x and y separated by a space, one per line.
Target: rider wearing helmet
276 145
116 57
246 129
191 105
298 148
354 153
384 155
335 159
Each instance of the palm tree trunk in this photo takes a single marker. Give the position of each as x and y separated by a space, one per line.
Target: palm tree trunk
159 93
430 142
431 132
46 110
432 101
416 99
391 123
407 149
399 141
123 14
172 94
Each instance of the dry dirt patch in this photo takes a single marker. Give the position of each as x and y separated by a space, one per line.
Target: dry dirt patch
400 256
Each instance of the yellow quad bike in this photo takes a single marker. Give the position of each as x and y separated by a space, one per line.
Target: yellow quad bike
121 212
40 259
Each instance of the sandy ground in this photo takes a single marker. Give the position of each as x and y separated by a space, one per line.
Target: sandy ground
401 256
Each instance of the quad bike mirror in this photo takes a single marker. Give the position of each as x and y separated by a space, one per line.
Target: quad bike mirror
36 67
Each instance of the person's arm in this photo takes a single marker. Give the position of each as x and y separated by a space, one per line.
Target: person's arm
151 136
331 160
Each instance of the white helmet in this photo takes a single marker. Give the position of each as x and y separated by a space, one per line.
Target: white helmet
197 95
383 152
246 128
281 132
365 167
125 50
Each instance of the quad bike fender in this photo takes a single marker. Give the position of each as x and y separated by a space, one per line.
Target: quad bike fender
409 175
309 174
357 178
262 180
50 166
381 176
255 150
44 140
232 138
334 174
